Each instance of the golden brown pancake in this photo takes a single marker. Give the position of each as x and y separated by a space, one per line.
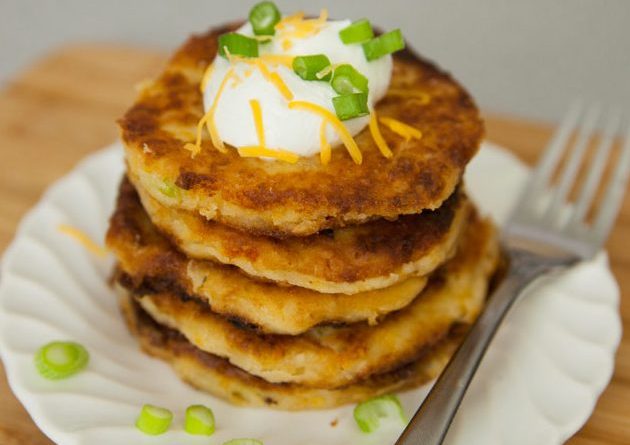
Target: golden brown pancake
281 199
149 263
331 357
354 259
218 377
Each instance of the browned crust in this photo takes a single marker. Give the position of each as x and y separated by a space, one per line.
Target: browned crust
279 199
149 263
217 376
330 357
376 249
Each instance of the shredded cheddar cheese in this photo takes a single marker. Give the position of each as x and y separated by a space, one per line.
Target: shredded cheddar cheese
258 122
281 86
261 150
324 150
278 59
275 79
378 137
421 96
287 44
340 128
272 59
206 77
83 239
323 16
400 128
290 20
208 120
296 27
256 151
236 81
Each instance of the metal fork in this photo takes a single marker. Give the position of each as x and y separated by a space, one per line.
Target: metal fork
544 233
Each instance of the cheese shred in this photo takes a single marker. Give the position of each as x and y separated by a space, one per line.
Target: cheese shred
324 150
378 137
84 240
401 129
256 151
208 120
339 127
258 122
421 96
275 79
206 77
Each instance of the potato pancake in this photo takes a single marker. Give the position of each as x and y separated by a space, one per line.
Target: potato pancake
280 199
334 356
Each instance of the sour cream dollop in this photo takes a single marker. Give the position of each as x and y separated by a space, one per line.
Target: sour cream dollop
293 130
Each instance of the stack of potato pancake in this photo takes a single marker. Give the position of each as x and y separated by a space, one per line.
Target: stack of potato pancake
301 285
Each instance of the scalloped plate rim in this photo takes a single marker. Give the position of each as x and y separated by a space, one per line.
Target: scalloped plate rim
29 397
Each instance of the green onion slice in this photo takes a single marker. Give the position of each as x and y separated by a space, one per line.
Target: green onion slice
348 80
371 414
264 16
237 44
243 442
199 420
307 67
61 359
384 44
168 188
359 32
350 106
154 420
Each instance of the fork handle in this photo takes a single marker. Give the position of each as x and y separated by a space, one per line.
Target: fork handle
432 420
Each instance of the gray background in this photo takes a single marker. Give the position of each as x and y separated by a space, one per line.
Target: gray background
527 58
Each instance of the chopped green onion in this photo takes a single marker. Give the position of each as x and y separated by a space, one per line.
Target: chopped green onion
169 189
154 420
384 44
347 80
307 67
238 45
359 32
264 16
199 420
243 442
61 359
350 106
371 414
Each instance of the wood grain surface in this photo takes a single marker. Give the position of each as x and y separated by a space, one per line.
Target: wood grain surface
64 108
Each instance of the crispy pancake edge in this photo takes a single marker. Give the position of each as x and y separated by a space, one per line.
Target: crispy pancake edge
151 264
356 259
330 357
218 377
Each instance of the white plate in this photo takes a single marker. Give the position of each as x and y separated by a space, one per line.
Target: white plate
538 384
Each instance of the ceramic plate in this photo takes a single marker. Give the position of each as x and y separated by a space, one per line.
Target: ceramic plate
538 384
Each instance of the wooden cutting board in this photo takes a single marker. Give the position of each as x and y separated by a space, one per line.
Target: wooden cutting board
64 108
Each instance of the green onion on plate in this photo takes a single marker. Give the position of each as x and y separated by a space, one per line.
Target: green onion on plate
238 45
307 67
264 16
359 32
61 359
372 413
199 420
350 106
384 44
154 420
346 79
